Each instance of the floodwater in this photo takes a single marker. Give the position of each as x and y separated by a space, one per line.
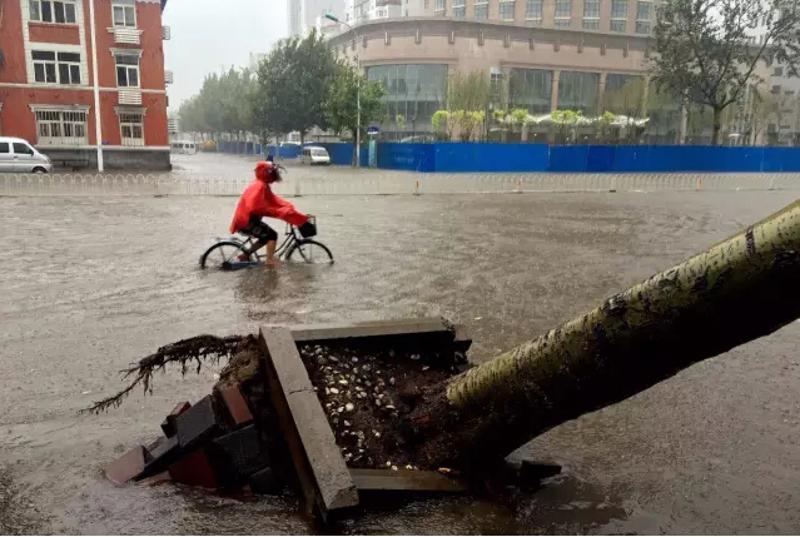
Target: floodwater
91 284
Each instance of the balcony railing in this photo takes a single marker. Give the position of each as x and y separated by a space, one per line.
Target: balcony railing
166 33
130 96
169 78
127 36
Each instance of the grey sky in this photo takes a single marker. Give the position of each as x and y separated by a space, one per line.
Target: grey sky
208 35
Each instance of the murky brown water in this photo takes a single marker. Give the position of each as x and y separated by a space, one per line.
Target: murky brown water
92 284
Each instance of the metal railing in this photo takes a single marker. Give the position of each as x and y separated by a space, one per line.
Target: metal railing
387 183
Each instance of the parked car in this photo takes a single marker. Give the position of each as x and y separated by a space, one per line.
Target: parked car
418 139
315 155
18 156
183 148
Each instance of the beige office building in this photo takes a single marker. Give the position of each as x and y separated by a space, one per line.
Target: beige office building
587 55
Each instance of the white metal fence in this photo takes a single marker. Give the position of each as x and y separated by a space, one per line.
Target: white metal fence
387 183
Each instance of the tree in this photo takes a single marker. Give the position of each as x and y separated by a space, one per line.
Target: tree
341 101
293 85
441 124
224 104
740 289
705 49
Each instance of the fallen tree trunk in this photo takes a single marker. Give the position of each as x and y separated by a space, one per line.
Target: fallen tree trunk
741 289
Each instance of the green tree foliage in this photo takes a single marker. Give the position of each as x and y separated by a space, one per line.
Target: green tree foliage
224 104
341 101
705 51
468 91
293 85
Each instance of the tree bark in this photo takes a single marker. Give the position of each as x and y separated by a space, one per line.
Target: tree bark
717 126
743 288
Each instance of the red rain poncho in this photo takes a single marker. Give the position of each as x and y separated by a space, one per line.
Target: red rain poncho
259 200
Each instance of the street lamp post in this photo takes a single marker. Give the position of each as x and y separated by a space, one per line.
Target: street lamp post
358 89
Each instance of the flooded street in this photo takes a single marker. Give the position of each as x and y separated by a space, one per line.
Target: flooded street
91 284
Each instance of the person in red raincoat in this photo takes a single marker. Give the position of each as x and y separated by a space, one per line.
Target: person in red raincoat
258 201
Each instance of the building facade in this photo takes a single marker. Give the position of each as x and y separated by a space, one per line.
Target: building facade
47 87
539 67
590 56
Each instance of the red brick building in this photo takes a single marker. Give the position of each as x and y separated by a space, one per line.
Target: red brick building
47 87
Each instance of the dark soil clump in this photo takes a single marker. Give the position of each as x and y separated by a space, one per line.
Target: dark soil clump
367 393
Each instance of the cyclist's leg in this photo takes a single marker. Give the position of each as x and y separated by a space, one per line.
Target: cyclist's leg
265 235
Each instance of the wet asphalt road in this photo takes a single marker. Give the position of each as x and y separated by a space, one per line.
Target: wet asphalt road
92 284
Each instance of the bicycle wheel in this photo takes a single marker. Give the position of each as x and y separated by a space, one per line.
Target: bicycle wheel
310 251
223 256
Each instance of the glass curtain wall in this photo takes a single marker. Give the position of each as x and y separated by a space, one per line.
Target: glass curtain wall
530 89
413 93
578 91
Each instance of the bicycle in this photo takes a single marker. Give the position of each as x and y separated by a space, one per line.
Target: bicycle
233 253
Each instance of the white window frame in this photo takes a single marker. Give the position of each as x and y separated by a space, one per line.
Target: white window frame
62 127
591 22
644 26
484 5
532 12
128 9
128 69
505 4
459 9
65 7
129 121
616 22
562 21
439 7
73 67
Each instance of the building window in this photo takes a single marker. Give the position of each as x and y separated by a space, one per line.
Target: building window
124 13
533 10
578 91
591 14
619 15
439 6
482 11
563 14
127 71
61 127
60 12
459 10
56 68
530 89
131 127
507 10
414 91
643 14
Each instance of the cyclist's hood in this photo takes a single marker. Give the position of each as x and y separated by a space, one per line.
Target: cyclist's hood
267 171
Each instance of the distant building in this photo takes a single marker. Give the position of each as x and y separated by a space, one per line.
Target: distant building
359 11
255 60
47 87
304 15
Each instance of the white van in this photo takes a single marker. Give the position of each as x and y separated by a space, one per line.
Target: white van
315 155
18 156
183 148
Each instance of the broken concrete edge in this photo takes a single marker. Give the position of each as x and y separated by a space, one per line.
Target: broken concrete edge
421 327
317 459
405 480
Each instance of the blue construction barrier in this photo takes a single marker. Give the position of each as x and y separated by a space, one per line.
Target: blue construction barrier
520 157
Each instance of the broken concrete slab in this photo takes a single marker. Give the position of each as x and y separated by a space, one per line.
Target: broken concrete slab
405 480
198 423
127 467
168 425
236 405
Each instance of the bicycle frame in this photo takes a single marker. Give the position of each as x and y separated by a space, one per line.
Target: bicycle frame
291 237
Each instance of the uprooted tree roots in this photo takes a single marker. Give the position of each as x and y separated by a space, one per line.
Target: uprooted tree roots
195 349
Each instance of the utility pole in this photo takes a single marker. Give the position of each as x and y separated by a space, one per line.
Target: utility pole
358 88
98 128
